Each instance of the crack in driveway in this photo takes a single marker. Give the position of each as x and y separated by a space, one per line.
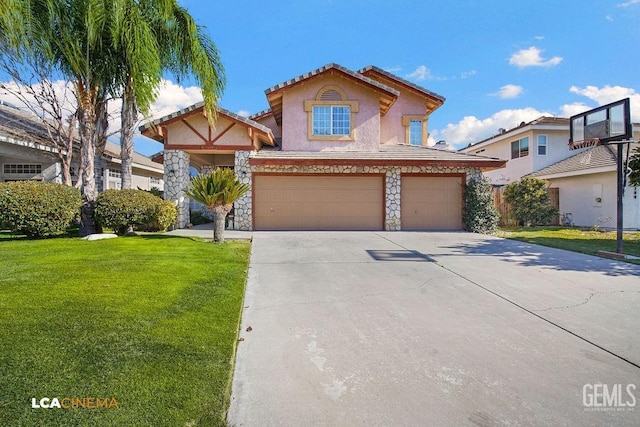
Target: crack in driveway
591 295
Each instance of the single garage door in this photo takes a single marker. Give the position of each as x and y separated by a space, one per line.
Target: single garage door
431 203
313 202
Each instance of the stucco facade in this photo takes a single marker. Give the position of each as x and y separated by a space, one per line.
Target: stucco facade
552 130
284 142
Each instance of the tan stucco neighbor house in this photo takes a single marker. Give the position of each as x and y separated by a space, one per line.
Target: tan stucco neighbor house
337 150
26 153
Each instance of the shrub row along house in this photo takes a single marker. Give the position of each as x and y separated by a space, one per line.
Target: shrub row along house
26 153
585 179
337 150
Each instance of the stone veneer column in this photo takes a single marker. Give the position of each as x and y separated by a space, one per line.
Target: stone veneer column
176 181
392 202
242 207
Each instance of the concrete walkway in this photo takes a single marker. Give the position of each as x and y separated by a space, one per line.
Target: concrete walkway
205 231
434 329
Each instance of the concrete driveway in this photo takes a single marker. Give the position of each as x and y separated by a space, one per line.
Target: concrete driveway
375 328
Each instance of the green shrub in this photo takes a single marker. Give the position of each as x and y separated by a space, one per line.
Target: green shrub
480 214
165 216
201 217
529 200
121 209
38 209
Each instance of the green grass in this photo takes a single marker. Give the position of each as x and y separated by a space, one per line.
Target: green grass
151 321
574 239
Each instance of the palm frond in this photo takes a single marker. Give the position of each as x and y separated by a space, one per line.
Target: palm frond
220 187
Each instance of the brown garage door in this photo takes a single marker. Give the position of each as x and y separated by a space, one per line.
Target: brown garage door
305 202
431 203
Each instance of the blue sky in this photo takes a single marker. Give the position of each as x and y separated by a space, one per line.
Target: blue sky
497 62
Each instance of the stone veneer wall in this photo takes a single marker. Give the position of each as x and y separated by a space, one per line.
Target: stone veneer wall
392 182
243 206
176 181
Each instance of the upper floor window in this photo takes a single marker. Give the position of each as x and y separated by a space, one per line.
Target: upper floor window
415 130
330 115
520 148
542 145
331 120
114 173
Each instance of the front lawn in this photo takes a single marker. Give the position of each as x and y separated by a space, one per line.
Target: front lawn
574 239
150 321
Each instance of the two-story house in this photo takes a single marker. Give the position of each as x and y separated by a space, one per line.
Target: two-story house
527 148
336 150
585 178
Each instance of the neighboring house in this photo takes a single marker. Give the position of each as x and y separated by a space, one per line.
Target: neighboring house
587 183
527 148
586 178
27 154
336 150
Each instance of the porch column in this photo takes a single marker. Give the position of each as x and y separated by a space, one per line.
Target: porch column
176 181
392 202
242 207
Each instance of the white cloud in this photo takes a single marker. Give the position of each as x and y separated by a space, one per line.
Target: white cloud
393 69
467 74
608 94
609 18
173 97
531 57
568 110
472 129
539 37
420 74
509 91
628 3
244 113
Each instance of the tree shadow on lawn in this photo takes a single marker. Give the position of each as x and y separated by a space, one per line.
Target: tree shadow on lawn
532 255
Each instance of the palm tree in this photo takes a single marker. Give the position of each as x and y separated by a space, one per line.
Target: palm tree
217 191
72 37
157 35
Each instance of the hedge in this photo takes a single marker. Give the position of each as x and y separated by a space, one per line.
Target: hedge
122 209
38 209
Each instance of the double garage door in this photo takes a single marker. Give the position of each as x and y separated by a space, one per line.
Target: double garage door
353 202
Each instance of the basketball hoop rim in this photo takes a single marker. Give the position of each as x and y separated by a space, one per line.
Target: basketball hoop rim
591 142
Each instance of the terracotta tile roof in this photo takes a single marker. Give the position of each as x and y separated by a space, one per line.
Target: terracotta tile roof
388 154
328 67
414 86
199 105
600 156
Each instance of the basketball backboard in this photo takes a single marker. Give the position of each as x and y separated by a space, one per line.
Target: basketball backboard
611 122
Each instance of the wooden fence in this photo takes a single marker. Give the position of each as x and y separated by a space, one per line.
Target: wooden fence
504 208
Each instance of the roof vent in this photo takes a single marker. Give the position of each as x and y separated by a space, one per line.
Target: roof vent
501 131
331 95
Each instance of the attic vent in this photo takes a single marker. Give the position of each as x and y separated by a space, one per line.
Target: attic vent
330 95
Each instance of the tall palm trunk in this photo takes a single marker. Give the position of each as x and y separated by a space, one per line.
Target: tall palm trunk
129 116
93 123
87 120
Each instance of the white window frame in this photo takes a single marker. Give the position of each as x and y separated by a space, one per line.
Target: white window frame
332 128
539 145
520 150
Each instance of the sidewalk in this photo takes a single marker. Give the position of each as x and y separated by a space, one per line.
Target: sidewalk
205 231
